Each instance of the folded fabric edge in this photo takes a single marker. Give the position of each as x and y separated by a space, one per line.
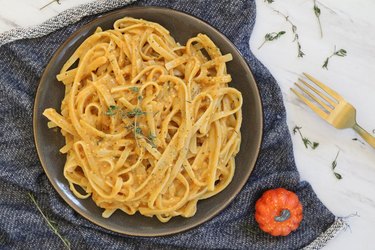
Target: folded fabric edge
339 225
63 19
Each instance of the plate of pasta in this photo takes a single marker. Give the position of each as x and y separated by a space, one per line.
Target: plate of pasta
147 121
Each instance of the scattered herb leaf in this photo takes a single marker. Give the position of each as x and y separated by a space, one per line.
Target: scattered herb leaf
51 224
340 52
294 30
317 14
138 131
140 98
269 1
111 110
134 89
334 165
306 141
271 36
338 176
51 2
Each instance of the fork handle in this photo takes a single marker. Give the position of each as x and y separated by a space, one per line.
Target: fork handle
365 135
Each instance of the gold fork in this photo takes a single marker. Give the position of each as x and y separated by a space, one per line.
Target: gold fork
331 106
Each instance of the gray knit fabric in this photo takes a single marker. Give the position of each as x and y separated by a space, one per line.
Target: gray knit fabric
22 226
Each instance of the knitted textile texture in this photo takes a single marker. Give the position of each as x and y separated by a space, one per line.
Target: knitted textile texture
24 54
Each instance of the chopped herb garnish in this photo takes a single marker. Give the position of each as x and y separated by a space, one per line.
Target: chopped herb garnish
269 1
306 141
340 52
334 165
134 89
51 224
111 110
271 36
140 98
317 14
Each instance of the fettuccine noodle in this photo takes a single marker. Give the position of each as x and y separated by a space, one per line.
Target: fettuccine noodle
150 125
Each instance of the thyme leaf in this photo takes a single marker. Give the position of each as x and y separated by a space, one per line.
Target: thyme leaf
271 36
338 176
306 141
138 131
111 111
269 1
334 165
134 89
340 52
51 224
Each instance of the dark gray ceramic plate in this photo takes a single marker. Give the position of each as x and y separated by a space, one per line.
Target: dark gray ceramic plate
48 142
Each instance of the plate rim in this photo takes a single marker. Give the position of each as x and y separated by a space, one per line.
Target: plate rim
259 126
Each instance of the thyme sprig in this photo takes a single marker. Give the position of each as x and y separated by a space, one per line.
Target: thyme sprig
340 52
334 165
294 30
317 14
271 36
51 224
51 2
306 141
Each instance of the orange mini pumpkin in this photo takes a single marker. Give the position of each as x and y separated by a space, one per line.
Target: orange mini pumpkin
278 212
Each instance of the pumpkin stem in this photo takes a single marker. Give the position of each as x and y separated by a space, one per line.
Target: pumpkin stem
284 215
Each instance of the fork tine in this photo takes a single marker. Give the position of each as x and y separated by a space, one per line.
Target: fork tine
317 110
318 92
328 90
316 99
